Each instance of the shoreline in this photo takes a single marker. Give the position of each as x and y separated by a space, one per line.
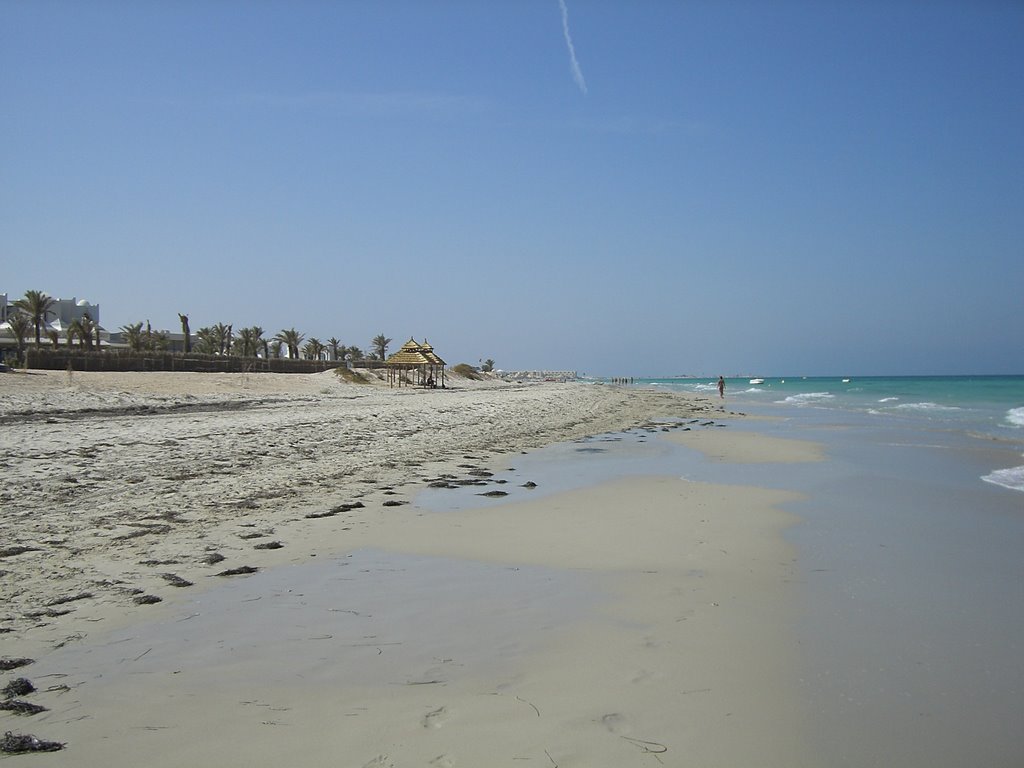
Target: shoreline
690 596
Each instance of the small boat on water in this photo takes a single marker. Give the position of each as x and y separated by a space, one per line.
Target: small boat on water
757 381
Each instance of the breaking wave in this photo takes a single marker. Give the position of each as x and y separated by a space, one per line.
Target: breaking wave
927 407
1016 417
1012 478
808 398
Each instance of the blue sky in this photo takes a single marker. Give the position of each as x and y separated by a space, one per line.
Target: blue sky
720 187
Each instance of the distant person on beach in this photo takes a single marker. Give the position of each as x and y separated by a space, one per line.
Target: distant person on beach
721 387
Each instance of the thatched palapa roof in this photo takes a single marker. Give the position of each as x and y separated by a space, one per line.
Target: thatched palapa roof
414 354
415 363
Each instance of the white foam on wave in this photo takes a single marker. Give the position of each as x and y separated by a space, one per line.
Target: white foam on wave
808 398
1012 478
705 387
933 407
1016 417
888 399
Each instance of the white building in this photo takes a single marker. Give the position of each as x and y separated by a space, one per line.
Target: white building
62 313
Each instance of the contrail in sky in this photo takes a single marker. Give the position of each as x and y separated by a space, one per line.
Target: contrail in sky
577 73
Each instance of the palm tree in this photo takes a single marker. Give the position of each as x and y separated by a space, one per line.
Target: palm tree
161 341
313 349
133 336
488 365
257 340
357 353
380 344
86 328
223 335
214 339
21 326
75 331
207 341
291 339
184 330
37 305
335 346
249 339
244 341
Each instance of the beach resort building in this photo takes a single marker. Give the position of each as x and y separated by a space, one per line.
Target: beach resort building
62 314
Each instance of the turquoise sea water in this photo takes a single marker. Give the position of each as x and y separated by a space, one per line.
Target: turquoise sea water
950 408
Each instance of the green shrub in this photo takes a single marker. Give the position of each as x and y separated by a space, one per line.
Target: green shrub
352 377
466 371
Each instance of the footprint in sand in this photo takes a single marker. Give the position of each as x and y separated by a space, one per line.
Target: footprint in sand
614 722
435 719
642 676
443 761
380 761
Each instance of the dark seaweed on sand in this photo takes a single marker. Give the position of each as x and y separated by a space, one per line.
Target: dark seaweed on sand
17 743
18 687
318 515
146 599
335 510
48 612
269 545
6 665
238 571
175 580
21 707
71 598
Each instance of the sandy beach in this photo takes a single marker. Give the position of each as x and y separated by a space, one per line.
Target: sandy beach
634 621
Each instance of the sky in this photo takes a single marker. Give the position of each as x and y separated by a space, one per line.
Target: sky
618 188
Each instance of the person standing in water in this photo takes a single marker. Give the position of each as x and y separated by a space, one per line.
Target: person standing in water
721 387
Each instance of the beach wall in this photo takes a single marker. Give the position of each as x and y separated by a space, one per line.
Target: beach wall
125 361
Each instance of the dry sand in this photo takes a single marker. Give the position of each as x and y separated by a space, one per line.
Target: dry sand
641 621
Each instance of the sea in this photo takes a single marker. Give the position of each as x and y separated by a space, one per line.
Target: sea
959 407
911 554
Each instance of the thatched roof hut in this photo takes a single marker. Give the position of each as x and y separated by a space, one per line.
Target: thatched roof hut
415 364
